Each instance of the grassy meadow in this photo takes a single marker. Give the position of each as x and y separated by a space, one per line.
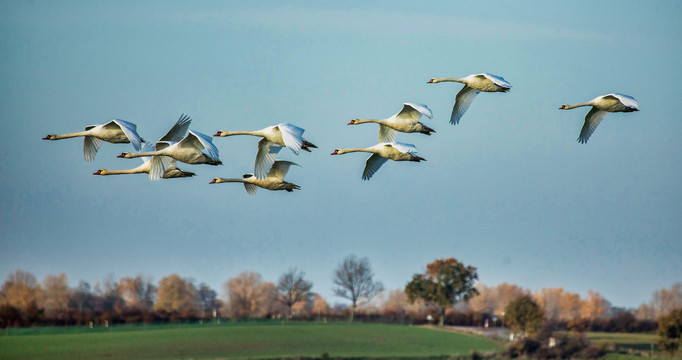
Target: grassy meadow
240 341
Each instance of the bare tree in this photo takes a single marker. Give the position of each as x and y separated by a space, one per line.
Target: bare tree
207 297
354 281
292 289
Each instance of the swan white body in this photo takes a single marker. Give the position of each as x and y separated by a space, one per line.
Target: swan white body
274 138
381 153
473 84
601 106
116 131
407 121
273 181
194 148
172 171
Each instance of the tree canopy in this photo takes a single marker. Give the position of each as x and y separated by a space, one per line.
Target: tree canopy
445 283
670 331
524 315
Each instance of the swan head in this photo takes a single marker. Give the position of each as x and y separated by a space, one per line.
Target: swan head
563 107
216 181
433 81
337 152
50 137
353 122
220 133
100 172
125 155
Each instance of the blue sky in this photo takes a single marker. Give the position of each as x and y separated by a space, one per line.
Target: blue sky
508 190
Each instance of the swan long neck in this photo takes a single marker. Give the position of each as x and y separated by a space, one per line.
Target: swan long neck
437 80
71 135
121 172
142 154
246 180
364 121
346 151
569 107
241 132
232 180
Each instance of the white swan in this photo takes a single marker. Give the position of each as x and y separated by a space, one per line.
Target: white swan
473 84
172 171
194 148
273 139
381 153
601 106
274 180
116 131
407 121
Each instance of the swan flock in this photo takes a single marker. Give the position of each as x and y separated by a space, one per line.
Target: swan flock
180 144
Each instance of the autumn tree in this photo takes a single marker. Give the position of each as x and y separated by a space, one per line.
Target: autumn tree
20 291
670 331
292 288
138 292
664 301
493 300
524 315
176 295
445 283
354 280
249 295
320 306
54 297
594 306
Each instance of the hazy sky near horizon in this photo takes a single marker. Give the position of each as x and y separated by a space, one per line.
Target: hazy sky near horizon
508 190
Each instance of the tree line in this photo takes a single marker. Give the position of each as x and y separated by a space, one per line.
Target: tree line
448 291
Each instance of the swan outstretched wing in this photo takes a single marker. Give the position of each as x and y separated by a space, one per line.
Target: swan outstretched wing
373 164
250 188
404 148
179 130
626 100
414 111
90 146
130 130
202 142
292 136
266 156
158 166
280 169
463 100
498 80
386 134
592 120
147 147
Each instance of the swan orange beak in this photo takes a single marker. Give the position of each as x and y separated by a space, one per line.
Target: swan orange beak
212 181
47 137
336 152
562 107
122 155
97 173
430 81
218 133
352 122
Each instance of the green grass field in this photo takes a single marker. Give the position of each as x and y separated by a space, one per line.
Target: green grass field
635 344
240 341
